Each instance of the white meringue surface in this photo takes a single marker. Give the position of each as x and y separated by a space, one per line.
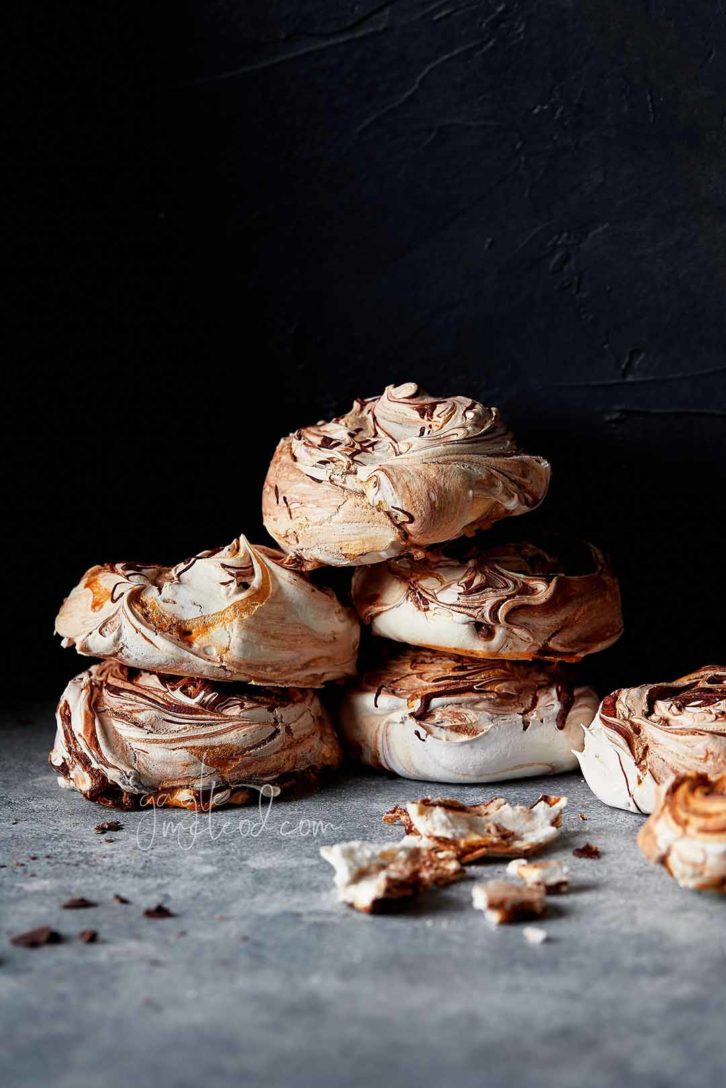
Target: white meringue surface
430 717
126 739
686 832
235 613
510 601
396 473
641 737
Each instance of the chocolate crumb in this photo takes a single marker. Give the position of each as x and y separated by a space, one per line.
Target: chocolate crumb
88 936
79 903
35 938
120 899
109 840
159 911
589 850
108 825
582 816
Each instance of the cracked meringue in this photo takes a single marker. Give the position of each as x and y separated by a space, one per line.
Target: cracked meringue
504 902
493 828
436 718
510 601
641 737
553 876
127 739
686 833
234 613
367 873
397 473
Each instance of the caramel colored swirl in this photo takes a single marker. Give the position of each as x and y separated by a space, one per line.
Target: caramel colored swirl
687 831
236 613
397 473
513 601
437 718
128 739
641 737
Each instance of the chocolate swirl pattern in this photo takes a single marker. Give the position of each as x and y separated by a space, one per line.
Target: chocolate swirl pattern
397 473
128 739
514 601
234 613
641 737
686 833
436 718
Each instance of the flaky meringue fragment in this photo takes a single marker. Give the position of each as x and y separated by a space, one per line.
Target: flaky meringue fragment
511 601
397 473
504 902
234 613
686 833
436 718
493 828
641 737
367 874
553 876
128 739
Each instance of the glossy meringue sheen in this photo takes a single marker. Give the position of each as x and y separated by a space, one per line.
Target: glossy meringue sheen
641 737
512 601
397 473
234 613
128 739
437 718
686 833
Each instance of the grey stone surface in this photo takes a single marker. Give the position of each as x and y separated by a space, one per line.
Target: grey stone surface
263 978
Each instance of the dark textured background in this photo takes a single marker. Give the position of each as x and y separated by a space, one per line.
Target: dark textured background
229 219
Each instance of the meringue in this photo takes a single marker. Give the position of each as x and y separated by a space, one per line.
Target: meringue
686 833
436 718
493 828
511 601
397 473
503 902
368 873
641 737
234 613
128 739
553 876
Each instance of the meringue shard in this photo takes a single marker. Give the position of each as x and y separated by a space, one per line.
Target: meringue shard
235 613
397 473
641 737
435 718
504 902
367 874
512 601
128 739
686 833
494 828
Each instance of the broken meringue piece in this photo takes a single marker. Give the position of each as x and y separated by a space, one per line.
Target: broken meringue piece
641 737
129 739
510 601
436 718
234 613
494 828
367 874
399 472
686 832
504 902
534 934
553 876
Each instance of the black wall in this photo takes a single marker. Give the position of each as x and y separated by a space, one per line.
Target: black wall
229 219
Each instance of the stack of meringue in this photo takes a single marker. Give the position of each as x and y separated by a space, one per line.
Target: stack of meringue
478 694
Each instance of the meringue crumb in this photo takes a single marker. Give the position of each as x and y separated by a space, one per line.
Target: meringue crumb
534 934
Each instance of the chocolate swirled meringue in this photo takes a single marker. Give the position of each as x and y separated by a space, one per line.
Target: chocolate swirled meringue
234 613
686 833
437 718
127 739
511 601
641 737
397 473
